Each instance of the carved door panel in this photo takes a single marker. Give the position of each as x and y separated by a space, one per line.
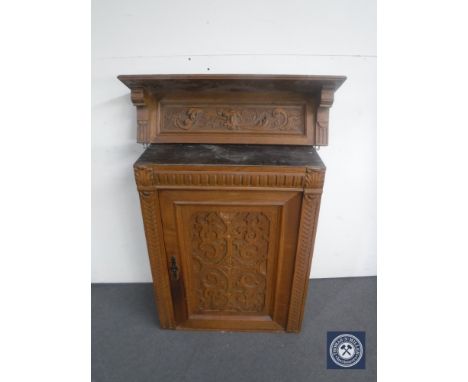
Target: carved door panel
230 256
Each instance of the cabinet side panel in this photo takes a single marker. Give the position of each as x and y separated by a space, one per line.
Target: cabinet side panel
307 230
289 230
153 232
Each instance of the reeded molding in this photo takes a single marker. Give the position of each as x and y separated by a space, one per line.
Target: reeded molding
149 178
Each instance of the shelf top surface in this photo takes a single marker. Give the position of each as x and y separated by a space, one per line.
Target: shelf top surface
302 83
233 155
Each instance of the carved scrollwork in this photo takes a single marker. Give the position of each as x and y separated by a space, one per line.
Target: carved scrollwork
260 118
229 260
232 118
185 121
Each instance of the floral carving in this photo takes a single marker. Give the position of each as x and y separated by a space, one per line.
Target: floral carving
186 122
229 260
290 118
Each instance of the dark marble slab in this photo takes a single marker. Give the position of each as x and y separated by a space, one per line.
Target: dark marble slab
236 155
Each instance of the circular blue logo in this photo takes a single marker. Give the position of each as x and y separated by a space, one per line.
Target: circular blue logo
346 350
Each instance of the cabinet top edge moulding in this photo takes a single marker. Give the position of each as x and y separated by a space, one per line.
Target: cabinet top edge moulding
237 109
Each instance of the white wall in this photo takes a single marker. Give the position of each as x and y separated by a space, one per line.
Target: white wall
284 37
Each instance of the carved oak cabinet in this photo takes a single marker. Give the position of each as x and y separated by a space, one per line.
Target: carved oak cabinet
230 187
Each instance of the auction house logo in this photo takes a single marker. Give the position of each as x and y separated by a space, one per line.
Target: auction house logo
346 350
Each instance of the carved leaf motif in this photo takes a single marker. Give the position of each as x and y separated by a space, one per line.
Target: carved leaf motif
229 257
288 118
187 120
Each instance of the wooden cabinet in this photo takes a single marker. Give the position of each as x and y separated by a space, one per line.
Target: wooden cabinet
230 189
227 248
230 244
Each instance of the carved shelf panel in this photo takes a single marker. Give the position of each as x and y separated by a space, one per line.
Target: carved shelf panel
234 118
248 109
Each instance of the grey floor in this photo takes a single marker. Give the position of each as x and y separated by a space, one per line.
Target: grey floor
128 345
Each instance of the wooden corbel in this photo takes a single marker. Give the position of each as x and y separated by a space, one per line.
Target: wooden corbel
139 99
321 126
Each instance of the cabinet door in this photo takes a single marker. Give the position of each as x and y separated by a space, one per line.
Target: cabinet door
230 256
